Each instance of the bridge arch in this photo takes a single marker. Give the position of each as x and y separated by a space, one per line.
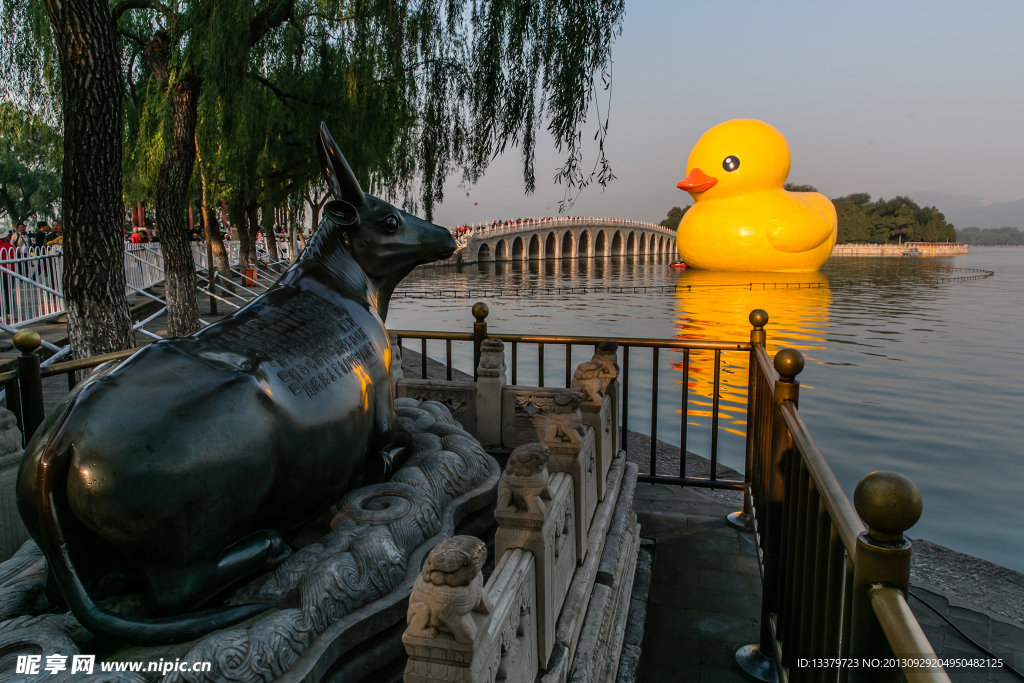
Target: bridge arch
551 246
601 244
584 245
617 244
535 247
642 248
517 249
484 253
567 244
631 244
501 251
661 245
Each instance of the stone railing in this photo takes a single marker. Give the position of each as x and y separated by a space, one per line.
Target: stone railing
925 249
566 543
490 230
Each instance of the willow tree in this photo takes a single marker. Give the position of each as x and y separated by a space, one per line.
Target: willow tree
414 93
60 57
417 92
30 160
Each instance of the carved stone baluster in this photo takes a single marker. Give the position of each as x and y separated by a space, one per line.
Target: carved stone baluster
395 370
606 355
597 413
535 512
572 451
449 614
489 384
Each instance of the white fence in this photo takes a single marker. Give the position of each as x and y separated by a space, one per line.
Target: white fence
31 287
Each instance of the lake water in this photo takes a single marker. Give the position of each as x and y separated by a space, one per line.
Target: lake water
906 371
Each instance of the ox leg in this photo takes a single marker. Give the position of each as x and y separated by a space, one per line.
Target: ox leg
255 551
176 591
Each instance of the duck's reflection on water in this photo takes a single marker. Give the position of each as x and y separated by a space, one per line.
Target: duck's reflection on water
716 305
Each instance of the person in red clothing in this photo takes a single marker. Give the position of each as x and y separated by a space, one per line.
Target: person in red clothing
6 252
136 238
6 248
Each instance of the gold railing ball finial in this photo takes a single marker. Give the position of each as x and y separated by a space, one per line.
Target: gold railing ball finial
788 363
889 503
758 318
480 311
27 341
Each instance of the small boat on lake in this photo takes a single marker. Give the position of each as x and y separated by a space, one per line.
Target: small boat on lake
679 264
913 251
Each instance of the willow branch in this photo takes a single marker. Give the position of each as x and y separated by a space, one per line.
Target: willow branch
283 96
269 17
134 36
126 5
334 20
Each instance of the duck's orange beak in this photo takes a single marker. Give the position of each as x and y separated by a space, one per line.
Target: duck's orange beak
697 181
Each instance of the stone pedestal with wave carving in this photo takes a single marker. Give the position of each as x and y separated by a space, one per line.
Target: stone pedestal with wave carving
347 582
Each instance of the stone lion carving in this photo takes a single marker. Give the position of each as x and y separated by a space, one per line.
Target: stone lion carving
524 484
10 437
606 355
492 358
395 371
587 381
448 590
564 421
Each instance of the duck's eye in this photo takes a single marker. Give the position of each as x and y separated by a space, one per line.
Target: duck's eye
731 163
391 224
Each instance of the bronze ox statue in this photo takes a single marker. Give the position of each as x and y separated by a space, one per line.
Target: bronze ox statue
180 472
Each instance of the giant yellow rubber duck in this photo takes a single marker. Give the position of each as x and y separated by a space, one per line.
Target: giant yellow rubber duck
742 218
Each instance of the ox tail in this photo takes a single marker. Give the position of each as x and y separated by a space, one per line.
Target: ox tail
52 506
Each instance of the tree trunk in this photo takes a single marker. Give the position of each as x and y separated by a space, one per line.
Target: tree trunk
171 191
93 279
268 232
238 219
212 232
254 230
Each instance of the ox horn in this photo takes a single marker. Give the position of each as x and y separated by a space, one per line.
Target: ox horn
337 172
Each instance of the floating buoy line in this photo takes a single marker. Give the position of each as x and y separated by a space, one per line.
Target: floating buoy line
949 275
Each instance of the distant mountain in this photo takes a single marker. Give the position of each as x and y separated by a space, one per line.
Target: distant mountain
948 203
1004 214
965 211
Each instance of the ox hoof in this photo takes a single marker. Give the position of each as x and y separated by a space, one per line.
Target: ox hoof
279 550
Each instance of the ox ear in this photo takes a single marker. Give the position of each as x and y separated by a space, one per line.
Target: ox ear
337 172
341 213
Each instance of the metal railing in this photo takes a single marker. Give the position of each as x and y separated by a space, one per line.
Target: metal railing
834 575
31 287
542 344
834 585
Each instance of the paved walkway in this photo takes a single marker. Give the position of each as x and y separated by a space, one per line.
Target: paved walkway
705 597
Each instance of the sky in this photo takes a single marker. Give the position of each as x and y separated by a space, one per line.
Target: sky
880 97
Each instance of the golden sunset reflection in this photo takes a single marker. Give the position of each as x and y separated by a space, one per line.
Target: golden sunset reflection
715 305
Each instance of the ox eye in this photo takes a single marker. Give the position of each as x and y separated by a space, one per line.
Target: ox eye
391 224
731 163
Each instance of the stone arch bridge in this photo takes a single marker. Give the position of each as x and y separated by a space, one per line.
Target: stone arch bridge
555 238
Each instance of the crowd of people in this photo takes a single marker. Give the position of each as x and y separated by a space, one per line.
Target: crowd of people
466 229
143 235
45 235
